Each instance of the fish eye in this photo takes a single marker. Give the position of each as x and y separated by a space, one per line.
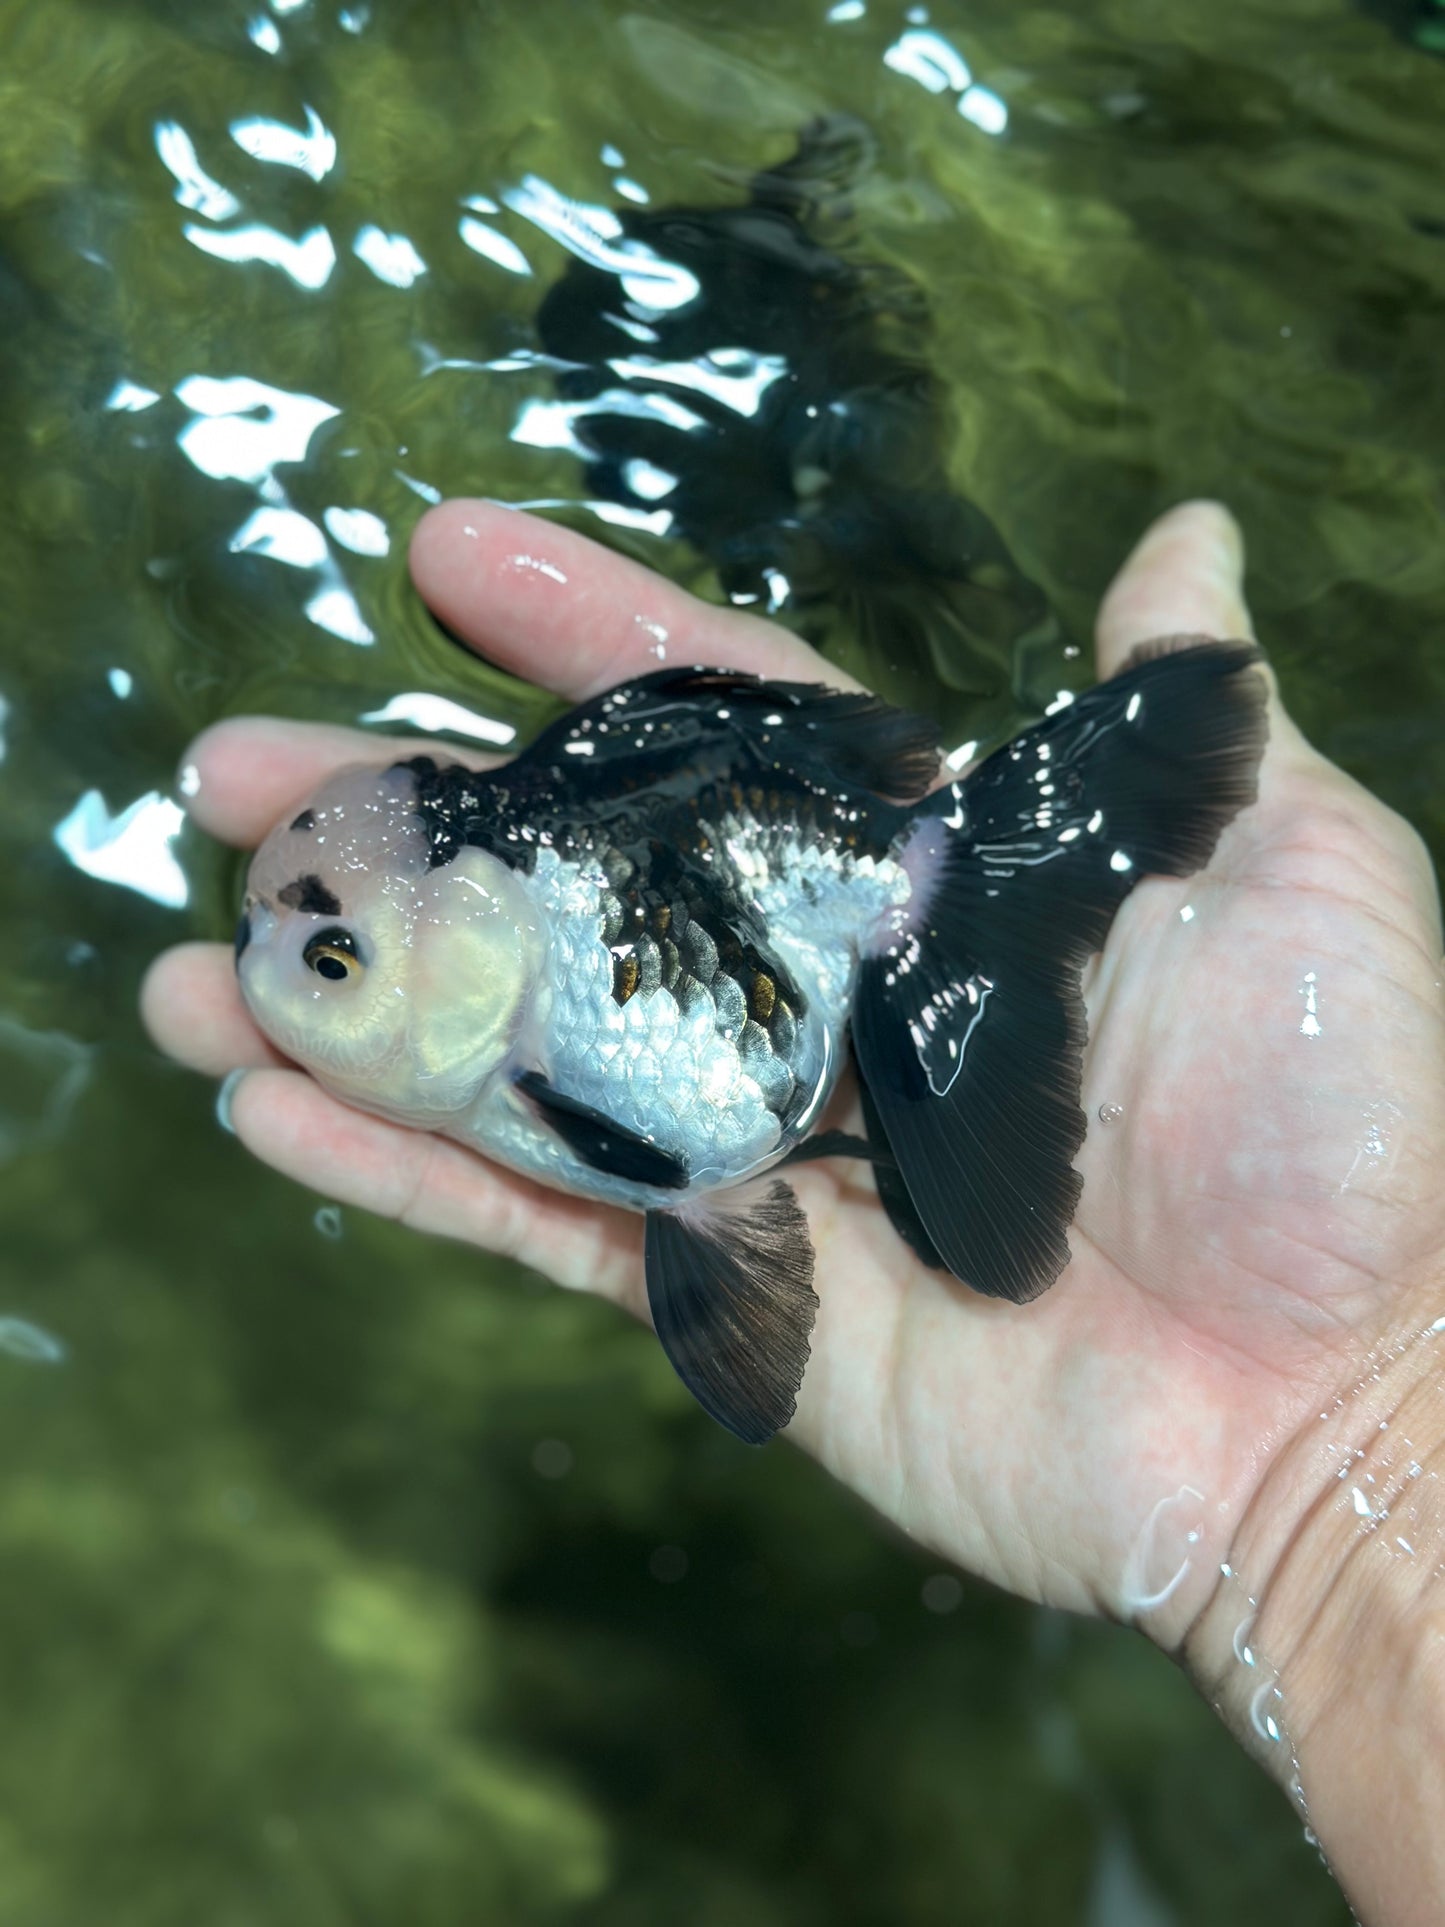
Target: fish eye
332 954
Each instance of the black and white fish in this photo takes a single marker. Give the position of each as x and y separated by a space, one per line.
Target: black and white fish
629 963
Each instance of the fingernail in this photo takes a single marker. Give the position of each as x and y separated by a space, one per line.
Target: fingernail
226 1097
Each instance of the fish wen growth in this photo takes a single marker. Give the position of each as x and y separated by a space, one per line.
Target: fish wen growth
630 962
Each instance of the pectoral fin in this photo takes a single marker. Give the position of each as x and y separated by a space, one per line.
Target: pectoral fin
600 1141
730 1285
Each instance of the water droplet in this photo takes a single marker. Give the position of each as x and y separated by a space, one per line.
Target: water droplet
1261 1717
189 781
1160 1557
667 1565
328 1221
552 1459
1110 1113
941 1593
1310 1022
539 565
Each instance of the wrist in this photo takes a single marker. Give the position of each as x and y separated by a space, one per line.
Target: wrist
1323 1642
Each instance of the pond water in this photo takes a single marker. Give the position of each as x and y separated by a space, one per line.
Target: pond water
351 1578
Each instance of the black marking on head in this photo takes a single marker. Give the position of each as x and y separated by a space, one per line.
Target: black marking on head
305 821
463 808
243 934
311 896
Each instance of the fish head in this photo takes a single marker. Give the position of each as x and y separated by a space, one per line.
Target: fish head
399 986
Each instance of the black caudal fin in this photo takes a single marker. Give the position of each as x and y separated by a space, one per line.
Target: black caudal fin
730 1286
893 1193
969 1027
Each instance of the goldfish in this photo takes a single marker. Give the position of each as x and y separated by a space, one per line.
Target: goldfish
634 962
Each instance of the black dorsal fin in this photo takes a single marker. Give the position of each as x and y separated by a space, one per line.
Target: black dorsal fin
600 1141
680 715
730 1286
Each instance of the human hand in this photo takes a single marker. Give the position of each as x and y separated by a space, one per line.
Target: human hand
1265 1083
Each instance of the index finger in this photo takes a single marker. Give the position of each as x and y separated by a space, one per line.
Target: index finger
537 599
563 611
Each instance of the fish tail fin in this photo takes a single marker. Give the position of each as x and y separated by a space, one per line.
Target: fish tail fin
968 1021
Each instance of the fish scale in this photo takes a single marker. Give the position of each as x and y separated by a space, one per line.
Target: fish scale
710 1109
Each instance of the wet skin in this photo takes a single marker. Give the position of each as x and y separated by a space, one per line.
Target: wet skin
1262 1213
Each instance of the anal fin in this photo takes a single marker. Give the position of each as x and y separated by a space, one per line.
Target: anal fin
831 1144
892 1191
730 1286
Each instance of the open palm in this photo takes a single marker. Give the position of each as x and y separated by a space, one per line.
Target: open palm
1265 1083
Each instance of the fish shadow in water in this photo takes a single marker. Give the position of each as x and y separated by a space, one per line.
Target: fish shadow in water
787 419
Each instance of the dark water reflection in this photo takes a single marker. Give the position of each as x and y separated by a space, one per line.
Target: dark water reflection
346 1580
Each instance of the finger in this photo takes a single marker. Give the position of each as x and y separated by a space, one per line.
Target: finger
192 1007
240 777
552 606
1185 577
434 1186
